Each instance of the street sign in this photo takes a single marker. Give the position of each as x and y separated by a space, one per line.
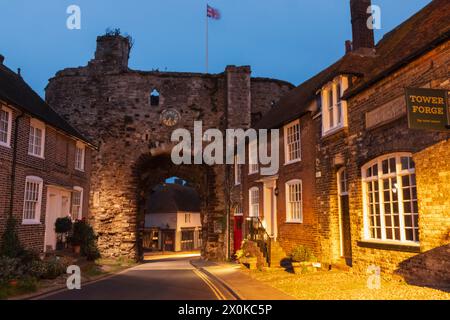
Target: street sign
427 109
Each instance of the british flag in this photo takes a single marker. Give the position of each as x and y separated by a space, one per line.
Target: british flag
212 13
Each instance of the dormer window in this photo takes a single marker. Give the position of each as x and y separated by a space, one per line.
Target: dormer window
334 109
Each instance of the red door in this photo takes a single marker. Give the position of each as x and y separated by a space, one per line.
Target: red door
237 232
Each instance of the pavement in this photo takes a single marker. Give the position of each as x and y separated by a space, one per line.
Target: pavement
173 277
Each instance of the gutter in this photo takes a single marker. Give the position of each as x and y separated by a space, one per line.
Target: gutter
14 163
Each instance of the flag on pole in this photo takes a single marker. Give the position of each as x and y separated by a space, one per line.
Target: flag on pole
212 13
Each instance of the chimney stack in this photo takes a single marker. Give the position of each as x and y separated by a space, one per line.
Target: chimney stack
363 37
2 58
348 46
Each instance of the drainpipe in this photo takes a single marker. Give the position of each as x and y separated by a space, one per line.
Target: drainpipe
14 163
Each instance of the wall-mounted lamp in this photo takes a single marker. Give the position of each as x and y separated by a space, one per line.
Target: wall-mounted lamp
276 192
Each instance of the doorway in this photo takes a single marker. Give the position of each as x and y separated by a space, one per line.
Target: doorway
344 216
270 212
58 206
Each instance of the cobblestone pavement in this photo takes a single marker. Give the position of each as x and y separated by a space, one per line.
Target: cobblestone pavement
341 285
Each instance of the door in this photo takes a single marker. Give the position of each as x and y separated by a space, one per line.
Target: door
58 205
344 213
187 240
168 238
237 232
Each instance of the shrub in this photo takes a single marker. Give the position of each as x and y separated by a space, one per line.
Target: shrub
63 225
10 244
302 254
10 268
83 235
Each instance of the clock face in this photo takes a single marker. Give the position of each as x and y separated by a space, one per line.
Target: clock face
170 117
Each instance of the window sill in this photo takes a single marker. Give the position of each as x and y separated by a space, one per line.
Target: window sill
292 162
331 132
79 170
294 222
31 223
252 173
36 156
6 145
390 246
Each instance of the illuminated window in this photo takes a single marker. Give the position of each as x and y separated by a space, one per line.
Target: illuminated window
334 109
253 157
294 201
390 199
80 150
237 171
77 203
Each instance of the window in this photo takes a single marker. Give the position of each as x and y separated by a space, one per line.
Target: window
79 156
253 157
334 109
294 203
292 145
154 98
77 203
37 138
5 126
237 171
254 202
32 200
187 218
390 199
343 182
238 210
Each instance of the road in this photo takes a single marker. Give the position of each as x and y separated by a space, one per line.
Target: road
168 278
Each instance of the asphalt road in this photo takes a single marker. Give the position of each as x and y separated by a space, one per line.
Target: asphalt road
165 279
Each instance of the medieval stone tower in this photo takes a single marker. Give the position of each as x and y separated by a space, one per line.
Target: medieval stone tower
120 111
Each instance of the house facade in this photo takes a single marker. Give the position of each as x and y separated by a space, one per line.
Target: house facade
368 165
172 219
44 164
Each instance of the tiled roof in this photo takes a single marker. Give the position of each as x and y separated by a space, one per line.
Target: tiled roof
172 198
418 34
15 91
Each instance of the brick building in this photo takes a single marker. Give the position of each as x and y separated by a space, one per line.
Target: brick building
357 111
44 164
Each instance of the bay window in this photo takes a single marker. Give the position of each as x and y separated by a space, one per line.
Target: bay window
390 199
334 109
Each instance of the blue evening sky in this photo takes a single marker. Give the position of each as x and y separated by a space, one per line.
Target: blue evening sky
285 39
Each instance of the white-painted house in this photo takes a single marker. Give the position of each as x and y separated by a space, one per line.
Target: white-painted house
172 219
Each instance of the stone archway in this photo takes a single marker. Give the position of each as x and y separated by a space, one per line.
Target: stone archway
149 171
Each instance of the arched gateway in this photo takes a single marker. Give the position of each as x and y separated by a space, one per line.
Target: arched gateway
131 115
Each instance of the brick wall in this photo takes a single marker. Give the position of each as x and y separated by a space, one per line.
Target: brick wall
392 135
57 168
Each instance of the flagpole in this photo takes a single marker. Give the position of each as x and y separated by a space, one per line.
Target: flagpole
207 40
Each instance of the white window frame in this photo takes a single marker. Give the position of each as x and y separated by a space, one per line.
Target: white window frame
37 213
254 206
36 124
289 218
79 164
253 167
237 171
288 145
79 214
238 210
9 113
338 107
379 180
187 217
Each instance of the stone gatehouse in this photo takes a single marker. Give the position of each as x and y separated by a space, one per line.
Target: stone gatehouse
120 110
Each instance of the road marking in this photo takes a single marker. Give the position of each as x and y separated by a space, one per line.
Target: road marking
211 285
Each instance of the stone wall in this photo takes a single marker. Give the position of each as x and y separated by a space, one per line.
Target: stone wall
111 104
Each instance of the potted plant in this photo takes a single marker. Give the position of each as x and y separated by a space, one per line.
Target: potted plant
76 238
302 259
62 228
